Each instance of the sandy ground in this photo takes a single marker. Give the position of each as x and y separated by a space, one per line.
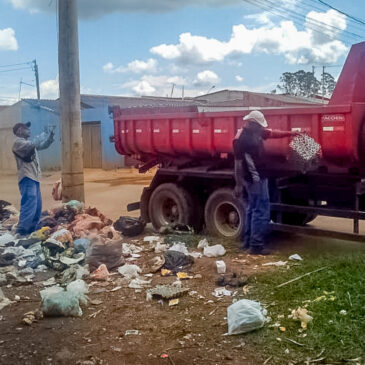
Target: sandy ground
111 191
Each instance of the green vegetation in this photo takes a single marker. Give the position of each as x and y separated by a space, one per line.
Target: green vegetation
336 337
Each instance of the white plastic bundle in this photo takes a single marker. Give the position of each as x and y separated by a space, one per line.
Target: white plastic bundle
304 151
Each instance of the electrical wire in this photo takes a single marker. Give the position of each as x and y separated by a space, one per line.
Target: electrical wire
312 24
15 69
358 20
17 64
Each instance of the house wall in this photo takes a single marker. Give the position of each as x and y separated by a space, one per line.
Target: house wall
40 118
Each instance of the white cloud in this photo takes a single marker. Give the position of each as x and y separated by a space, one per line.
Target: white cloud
8 41
155 85
298 47
49 89
239 78
136 66
98 8
206 78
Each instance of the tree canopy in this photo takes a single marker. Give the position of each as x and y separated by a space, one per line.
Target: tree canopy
302 83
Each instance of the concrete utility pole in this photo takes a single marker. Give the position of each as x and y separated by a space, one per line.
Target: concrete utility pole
36 78
70 115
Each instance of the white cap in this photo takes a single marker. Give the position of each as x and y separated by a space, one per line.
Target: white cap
257 117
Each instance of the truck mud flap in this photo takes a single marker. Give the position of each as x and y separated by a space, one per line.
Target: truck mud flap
133 206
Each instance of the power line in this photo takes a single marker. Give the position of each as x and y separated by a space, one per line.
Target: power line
358 20
15 69
17 64
314 25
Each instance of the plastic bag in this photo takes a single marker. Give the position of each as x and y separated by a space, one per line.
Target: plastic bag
60 304
81 244
130 271
214 251
101 273
79 288
245 316
203 243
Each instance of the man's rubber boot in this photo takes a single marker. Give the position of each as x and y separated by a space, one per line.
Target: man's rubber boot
259 250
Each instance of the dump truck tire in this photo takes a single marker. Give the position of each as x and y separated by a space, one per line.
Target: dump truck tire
224 214
170 203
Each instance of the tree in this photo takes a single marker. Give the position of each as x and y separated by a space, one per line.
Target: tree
329 83
302 83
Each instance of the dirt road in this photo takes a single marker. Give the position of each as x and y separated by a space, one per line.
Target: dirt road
112 190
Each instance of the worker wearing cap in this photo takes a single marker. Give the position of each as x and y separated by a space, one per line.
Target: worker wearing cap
250 175
27 161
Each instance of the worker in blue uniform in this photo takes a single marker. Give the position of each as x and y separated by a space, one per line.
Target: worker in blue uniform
250 175
27 161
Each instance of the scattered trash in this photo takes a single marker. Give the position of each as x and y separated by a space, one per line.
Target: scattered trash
245 316
221 292
101 273
138 283
159 248
203 243
4 301
221 266
282 329
151 239
81 244
131 332
155 263
60 304
179 247
6 238
96 302
173 302
214 251
109 254
301 314
232 280
295 257
129 226
183 275
177 261
31 317
343 312
166 292
277 263
130 271
176 228
165 272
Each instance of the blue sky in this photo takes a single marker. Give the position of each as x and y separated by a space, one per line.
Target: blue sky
143 47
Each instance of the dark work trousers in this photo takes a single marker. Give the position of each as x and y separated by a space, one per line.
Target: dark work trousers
30 205
257 213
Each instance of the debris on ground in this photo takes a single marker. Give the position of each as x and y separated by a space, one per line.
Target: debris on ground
129 226
301 314
245 316
214 251
166 292
221 266
277 263
233 280
177 261
295 257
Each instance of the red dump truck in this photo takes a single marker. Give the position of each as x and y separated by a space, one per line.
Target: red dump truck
192 147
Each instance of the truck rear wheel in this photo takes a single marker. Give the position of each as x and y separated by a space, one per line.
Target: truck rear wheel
170 203
224 214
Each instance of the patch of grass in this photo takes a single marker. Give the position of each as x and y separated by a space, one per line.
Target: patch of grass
335 335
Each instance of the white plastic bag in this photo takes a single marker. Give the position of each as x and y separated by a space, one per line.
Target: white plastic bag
221 266
214 251
245 316
179 247
130 271
203 243
79 289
